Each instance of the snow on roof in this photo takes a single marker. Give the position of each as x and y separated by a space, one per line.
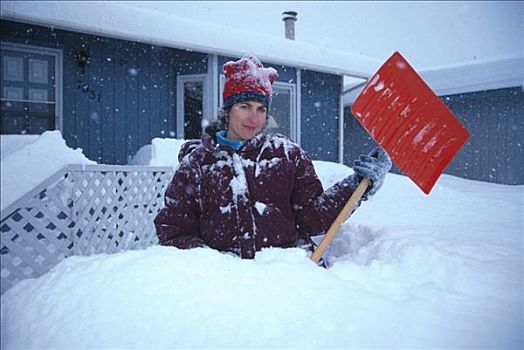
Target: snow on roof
149 25
498 73
491 74
143 25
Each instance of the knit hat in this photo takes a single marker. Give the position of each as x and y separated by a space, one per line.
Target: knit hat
248 80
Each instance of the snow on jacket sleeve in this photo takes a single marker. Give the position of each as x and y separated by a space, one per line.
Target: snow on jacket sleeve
315 208
178 223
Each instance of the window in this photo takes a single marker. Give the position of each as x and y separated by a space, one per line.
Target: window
282 118
31 88
282 113
191 102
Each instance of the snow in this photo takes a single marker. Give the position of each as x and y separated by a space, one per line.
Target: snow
116 19
408 270
238 183
12 143
161 152
249 70
260 207
457 46
379 86
434 33
426 129
27 160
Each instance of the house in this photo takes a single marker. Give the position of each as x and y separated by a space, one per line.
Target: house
112 77
112 84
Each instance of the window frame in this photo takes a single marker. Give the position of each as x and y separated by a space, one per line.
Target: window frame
292 89
180 95
59 66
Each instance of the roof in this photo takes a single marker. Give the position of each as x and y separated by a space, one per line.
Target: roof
163 28
499 73
126 22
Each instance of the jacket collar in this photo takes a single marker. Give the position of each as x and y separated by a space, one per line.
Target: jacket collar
253 143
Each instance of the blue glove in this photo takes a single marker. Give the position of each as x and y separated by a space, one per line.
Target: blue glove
373 166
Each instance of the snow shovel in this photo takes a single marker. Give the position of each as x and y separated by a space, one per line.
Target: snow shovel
406 118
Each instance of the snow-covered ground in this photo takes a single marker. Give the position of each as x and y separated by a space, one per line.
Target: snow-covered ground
407 271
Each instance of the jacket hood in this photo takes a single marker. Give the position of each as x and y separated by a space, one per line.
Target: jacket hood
187 147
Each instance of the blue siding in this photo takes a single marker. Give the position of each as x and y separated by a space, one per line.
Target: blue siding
131 105
144 113
189 62
108 95
320 113
124 98
495 150
126 95
120 112
356 139
71 104
94 105
156 94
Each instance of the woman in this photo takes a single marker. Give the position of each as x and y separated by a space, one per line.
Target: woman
241 189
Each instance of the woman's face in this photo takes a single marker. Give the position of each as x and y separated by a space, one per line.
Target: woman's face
246 119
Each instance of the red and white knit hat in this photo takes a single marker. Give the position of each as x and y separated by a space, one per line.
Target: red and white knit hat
248 80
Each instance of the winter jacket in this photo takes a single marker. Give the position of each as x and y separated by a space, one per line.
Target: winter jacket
267 194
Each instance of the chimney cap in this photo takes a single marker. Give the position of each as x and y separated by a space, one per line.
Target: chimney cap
289 15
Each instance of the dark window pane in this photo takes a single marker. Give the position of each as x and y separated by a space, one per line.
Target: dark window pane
27 88
193 109
13 125
280 112
26 117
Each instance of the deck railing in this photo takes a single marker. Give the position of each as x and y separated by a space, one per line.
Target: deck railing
80 210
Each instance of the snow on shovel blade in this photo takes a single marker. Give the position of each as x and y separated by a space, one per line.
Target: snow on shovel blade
409 121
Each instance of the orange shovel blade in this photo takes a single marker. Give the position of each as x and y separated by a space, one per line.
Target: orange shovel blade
409 121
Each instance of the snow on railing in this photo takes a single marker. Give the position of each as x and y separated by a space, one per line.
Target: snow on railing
80 210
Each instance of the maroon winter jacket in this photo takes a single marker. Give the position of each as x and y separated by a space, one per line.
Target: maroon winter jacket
267 194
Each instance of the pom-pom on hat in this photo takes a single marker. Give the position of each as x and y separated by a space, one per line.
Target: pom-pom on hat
248 80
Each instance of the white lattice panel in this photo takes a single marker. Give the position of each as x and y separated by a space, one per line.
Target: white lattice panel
115 210
83 210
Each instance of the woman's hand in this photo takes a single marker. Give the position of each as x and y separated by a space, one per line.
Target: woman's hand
373 166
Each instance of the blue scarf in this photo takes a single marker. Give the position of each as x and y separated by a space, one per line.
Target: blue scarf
223 140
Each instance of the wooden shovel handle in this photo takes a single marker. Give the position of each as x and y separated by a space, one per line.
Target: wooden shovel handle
344 213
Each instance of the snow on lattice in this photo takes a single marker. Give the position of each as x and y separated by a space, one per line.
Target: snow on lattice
80 210
21 154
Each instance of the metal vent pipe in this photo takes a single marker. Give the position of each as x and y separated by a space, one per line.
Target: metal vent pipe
289 18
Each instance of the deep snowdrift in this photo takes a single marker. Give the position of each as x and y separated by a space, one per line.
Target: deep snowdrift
408 270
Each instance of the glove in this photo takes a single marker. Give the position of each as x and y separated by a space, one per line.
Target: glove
373 166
